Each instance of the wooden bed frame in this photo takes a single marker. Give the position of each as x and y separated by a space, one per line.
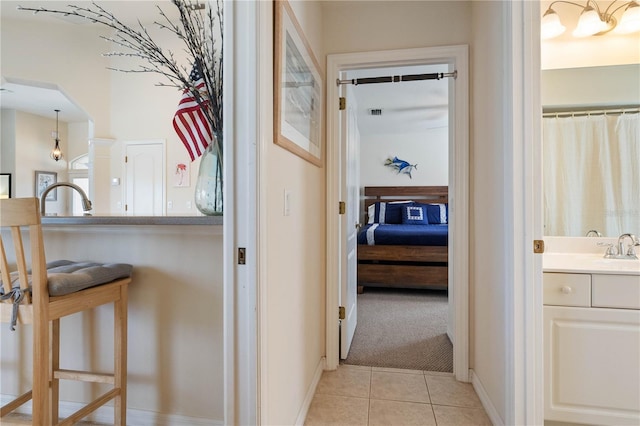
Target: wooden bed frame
403 266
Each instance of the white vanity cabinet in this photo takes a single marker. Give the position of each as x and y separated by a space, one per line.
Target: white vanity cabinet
592 348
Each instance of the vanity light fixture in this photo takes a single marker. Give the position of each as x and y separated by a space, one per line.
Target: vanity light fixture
56 154
593 21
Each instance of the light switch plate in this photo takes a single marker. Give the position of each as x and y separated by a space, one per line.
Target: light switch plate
287 202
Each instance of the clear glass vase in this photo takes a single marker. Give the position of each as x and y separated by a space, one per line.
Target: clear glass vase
208 196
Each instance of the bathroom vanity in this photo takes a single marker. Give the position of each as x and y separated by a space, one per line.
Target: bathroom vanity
591 338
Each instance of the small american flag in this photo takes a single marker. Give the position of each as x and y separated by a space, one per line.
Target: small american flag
190 121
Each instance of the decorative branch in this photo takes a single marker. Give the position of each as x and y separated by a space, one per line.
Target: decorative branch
195 29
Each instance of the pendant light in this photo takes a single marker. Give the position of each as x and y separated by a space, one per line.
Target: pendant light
56 154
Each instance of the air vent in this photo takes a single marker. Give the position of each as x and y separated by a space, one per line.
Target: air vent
375 111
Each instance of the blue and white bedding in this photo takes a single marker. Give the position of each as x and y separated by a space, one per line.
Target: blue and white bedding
408 212
404 234
406 223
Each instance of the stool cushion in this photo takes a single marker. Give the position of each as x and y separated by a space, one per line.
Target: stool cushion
65 276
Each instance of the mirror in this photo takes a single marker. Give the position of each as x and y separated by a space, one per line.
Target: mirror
103 112
591 168
585 73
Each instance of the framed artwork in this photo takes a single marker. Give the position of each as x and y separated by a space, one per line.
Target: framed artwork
181 175
298 89
43 180
5 185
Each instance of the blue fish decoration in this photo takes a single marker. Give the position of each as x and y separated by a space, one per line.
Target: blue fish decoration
401 166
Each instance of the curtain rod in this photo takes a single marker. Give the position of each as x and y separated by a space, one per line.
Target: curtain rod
585 111
398 78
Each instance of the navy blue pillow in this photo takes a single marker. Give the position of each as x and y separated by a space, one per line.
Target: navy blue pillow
394 212
437 214
415 214
382 212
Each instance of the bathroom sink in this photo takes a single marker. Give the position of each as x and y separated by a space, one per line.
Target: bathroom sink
588 263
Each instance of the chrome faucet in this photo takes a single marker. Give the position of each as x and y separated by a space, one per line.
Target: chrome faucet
594 233
86 203
630 253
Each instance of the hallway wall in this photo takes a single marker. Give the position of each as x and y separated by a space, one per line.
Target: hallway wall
295 260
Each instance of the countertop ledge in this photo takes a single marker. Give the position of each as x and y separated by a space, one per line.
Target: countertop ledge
587 263
131 220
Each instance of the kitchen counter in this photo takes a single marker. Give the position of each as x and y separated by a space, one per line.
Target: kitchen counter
132 220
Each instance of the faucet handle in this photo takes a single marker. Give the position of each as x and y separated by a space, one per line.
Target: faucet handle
611 250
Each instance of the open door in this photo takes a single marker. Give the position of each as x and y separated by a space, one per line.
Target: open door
351 222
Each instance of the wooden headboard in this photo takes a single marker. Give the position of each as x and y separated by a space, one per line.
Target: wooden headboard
420 194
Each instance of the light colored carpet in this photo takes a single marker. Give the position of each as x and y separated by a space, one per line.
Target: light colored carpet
400 328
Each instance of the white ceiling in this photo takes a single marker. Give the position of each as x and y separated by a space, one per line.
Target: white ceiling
41 99
407 107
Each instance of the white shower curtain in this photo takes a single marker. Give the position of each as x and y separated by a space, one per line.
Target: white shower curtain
591 174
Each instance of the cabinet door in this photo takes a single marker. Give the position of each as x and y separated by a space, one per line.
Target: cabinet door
592 367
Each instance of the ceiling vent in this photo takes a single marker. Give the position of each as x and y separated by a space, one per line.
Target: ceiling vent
375 111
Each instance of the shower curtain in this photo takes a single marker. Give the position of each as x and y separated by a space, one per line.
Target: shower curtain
591 174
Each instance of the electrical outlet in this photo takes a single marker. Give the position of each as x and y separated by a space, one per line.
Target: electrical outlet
188 204
170 204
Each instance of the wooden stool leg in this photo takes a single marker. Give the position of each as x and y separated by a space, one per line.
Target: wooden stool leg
55 366
120 354
41 368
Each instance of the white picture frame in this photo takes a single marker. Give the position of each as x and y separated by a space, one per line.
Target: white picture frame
42 181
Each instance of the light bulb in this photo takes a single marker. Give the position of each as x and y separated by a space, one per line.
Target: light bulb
551 25
630 21
589 23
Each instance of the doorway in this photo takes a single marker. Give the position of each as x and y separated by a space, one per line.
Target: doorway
454 58
399 114
145 171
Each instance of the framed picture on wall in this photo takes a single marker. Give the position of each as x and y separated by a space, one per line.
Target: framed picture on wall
181 175
298 89
44 180
5 185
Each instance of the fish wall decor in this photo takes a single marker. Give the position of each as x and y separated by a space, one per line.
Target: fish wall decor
400 166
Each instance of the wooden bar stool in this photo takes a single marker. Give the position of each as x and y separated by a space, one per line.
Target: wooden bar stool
37 293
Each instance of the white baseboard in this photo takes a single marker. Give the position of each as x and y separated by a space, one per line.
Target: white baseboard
304 410
134 417
490 409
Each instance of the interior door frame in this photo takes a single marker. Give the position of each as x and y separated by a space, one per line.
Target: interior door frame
457 56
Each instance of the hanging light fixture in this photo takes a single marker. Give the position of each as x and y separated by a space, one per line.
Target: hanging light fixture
630 21
592 20
56 154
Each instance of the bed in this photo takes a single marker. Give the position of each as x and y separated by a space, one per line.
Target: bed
396 254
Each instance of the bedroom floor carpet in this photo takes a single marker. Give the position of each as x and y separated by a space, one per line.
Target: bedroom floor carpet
400 328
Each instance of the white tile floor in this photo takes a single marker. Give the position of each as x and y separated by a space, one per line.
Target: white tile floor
372 396
354 395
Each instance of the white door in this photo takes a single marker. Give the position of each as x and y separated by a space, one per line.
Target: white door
145 175
350 223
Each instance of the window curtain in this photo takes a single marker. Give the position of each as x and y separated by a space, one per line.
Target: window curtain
591 174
